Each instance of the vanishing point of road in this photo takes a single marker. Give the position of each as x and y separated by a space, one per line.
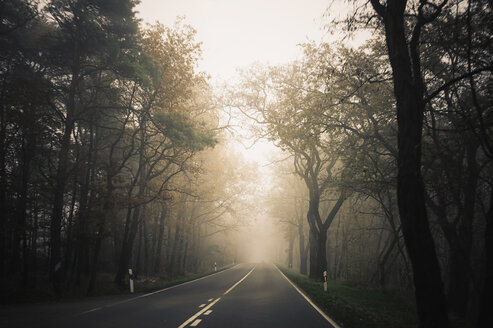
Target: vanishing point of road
247 295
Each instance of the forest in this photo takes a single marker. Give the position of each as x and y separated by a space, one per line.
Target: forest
116 152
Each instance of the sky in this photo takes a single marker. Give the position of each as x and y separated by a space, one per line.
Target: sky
236 33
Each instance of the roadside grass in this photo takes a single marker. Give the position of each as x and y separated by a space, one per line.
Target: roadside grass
356 305
151 284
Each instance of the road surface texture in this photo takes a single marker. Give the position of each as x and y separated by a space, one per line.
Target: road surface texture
247 295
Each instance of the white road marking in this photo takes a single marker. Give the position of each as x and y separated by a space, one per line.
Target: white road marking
162 290
210 299
326 317
88 311
157 291
196 315
195 323
201 305
208 312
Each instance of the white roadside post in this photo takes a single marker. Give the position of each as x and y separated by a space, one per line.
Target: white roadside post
325 281
131 279
215 267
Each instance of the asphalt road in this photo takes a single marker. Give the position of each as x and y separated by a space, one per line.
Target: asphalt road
247 295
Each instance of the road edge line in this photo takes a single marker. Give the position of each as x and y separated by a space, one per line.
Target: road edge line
322 313
174 286
152 293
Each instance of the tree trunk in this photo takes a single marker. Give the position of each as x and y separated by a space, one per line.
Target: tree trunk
314 232
485 319
127 245
131 226
56 267
408 90
322 254
290 250
303 250
159 247
95 256
313 244
3 186
108 208
138 262
146 247
21 214
430 299
172 257
82 233
460 269
383 259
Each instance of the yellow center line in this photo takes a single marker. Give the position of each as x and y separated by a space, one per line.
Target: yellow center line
196 315
239 281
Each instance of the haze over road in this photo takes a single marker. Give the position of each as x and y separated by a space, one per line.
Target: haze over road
247 295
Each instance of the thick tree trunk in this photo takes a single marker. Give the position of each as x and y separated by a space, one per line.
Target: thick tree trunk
318 234
312 216
430 299
303 250
322 254
408 90
313 244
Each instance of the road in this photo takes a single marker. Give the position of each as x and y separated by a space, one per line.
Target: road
247 295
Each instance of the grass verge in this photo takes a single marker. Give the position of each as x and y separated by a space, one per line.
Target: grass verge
149 285
104 287
357 306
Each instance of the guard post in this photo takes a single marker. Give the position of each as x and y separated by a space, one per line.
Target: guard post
131 280
325 281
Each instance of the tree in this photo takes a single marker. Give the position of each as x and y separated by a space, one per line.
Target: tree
167 134
83 49
282 100
403 23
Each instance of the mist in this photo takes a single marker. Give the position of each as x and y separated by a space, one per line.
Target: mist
250 163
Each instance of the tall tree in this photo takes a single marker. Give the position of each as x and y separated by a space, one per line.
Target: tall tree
404 23
85 47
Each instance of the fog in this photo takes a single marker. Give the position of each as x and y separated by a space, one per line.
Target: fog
164 140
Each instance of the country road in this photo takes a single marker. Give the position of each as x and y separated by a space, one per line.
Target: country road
247 295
